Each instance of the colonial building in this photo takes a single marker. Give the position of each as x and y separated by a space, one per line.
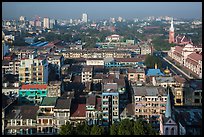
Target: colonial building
61 112
45 116
187 57
93 110
21 120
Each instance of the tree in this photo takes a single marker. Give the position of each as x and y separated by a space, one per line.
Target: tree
82 129
97 130
113 129
138 128
125 127
151 60
67 129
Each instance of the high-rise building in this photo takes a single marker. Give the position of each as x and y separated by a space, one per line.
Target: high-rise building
84 17
52 23
171 32
22 18
33 70
46 23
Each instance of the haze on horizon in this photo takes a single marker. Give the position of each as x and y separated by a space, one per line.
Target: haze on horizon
101 10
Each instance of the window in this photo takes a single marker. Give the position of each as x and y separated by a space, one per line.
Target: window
166 131
197 101
196 93
178 100
172 131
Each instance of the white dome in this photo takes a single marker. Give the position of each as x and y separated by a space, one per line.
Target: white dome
188 46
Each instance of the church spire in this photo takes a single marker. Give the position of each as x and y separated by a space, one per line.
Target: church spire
168 106
172 25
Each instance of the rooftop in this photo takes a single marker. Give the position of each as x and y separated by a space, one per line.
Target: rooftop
63 103
149 91
164 79
34 86
154 72
49 101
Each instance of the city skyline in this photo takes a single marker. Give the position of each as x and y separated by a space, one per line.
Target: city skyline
101 10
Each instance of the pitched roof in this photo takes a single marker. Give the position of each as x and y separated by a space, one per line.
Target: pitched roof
178 49
78 110
63 103
91 100
195 56
34 86
49 101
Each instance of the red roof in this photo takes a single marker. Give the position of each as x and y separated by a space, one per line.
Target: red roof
195 56
195 63
79 110
34 86
178 49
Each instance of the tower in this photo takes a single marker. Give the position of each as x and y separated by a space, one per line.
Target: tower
46 23
168 106
171 32
84 17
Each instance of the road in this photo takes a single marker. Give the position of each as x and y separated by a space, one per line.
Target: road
171 68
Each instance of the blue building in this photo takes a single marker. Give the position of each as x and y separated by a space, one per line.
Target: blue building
110 107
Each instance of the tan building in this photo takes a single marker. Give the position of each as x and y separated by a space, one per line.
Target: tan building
137 74
150 102
33 70
45 115
55 88
87 74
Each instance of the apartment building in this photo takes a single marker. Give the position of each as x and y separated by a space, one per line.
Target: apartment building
93 110
87 74
21 120
32 93
150 102
56 62
55 89
137 74
33 70
110 107
61 112
45 115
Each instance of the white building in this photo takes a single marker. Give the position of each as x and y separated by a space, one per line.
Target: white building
84 17
46 23
94 61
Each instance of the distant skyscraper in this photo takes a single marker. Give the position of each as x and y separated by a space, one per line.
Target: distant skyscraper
52 23
171 32
46 23
84 17
120 19
22 18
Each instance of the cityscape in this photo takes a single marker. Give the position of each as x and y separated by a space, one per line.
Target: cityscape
84 70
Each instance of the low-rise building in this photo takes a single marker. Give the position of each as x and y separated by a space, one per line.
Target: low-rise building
193 96
21 120
61 112
45 116
32 93
137 74
93 110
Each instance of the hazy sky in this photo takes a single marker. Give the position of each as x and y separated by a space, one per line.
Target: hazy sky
101 10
